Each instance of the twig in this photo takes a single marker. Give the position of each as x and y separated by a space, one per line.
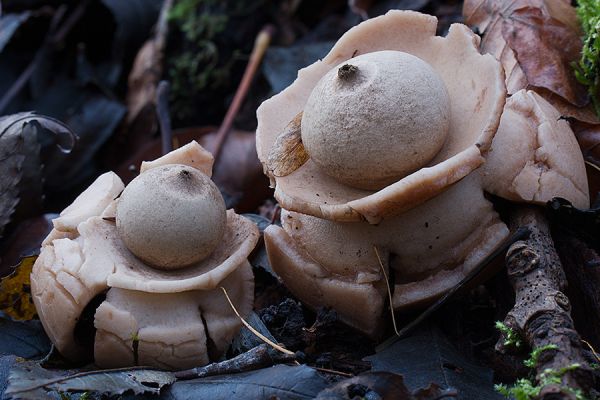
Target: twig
260 356
260 47
56 34
164 120
518 235
541 314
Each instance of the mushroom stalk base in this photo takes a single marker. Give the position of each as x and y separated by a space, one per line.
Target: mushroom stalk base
541 314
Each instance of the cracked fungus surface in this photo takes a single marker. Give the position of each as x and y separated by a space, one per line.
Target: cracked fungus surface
167 319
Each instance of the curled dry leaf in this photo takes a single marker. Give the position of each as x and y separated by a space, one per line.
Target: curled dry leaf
21 138
289 153
535 40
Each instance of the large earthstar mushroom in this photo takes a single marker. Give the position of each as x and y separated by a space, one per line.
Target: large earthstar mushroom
386 148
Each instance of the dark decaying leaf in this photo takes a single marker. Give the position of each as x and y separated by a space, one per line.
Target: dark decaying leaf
6 363
428 356
24 241
288 153
281 64
278 382
134 19
9 23
246 340
28 380
22 338
22 136
15 291
381 385
582 223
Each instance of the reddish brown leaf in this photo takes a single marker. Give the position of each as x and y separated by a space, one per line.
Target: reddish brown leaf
545 49
534 40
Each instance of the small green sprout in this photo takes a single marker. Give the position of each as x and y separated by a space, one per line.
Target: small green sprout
532 361
511 338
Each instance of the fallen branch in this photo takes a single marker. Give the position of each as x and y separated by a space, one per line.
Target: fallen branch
261 356
541 315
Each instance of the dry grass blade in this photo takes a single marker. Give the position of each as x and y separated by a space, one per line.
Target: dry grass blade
389 291
251 329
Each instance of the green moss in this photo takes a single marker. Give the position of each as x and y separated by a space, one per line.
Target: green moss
511 338
532 361
587 70
205 49
525 389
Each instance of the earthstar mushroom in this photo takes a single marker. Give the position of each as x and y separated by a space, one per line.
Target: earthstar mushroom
174 317
431 226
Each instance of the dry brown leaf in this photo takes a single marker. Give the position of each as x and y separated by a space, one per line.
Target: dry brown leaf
288 153
15 292
545 50
535 41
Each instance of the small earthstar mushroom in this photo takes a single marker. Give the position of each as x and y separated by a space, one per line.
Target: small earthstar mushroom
171 216
147 262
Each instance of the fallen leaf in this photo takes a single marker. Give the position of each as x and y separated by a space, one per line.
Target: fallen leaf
246 340
535 41
278 382
582 223
25 339
381 385
21 168
9 24
545 49
288 153
428 356
25 240
15 292
28 380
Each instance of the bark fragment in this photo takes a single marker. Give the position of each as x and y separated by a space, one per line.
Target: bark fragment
542 311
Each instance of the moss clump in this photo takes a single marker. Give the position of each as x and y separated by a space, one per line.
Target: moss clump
525 389
511 338
209 40
587 70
